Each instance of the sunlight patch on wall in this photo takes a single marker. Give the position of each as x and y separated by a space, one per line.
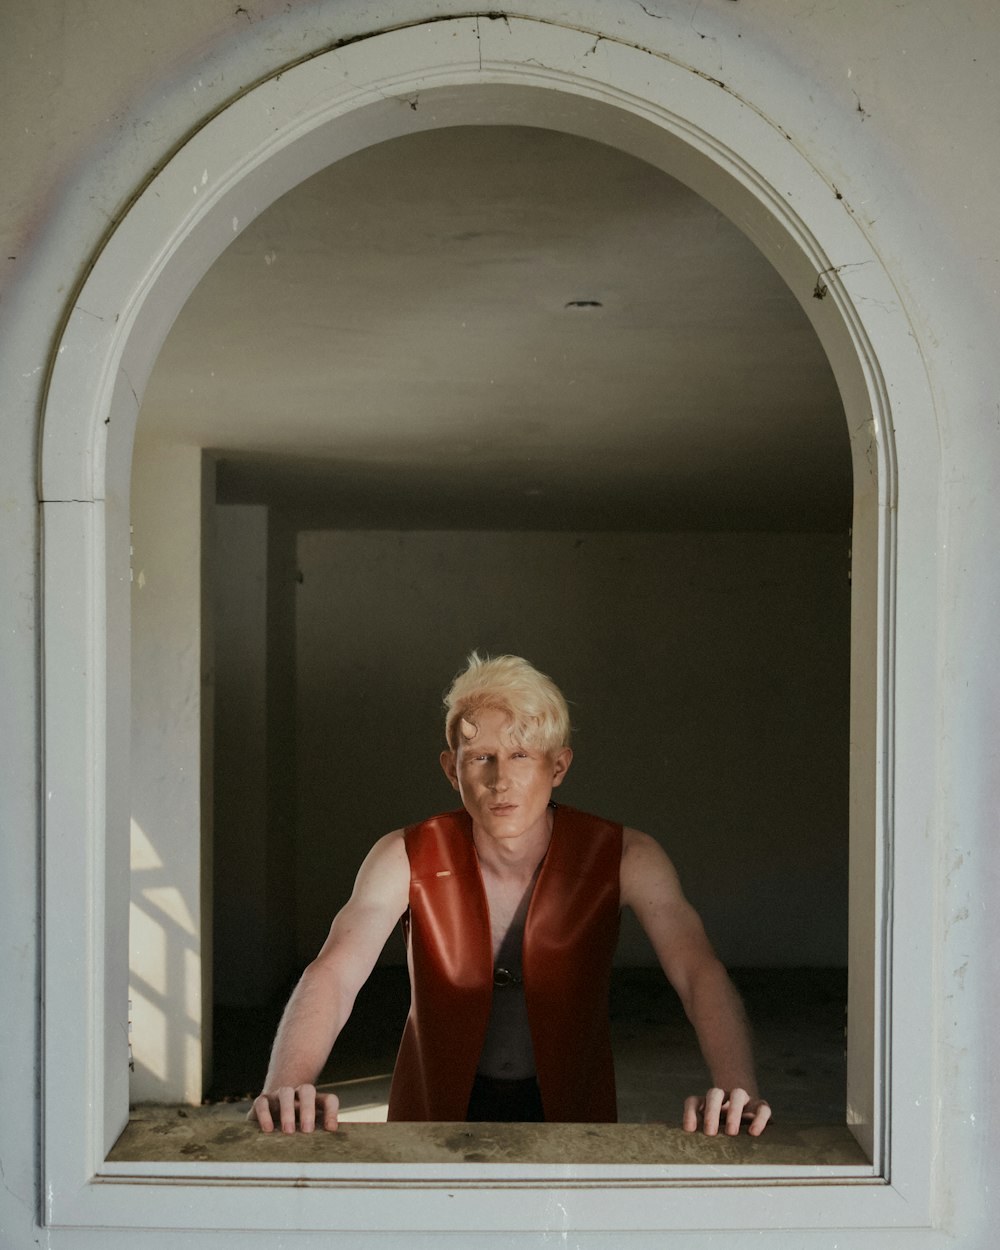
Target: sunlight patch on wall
165 983
169 903
143 853
148 944
149 1022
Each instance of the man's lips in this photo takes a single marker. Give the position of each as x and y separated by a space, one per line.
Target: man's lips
500 809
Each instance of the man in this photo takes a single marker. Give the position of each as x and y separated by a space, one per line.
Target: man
510 907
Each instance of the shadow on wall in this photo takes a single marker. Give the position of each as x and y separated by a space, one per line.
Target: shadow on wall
166 999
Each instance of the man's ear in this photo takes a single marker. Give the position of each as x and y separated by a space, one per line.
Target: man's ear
450 766
560 765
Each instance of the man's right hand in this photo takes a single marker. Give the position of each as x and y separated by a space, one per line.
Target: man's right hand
294 1108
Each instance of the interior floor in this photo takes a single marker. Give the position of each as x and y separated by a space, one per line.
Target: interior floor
798 1018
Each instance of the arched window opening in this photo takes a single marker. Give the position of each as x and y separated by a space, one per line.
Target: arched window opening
423 438
244 159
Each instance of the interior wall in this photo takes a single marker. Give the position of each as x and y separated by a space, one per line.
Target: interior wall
170 945
282 821
239 600
253 609
708 681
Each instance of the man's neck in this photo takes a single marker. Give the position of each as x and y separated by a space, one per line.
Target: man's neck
514 857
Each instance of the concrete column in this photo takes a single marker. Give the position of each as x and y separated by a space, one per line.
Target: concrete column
170 959
239 598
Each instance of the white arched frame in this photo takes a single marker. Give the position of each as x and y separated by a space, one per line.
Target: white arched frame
472 71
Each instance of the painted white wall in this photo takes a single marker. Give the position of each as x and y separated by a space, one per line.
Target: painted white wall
896 103
170 945
708 679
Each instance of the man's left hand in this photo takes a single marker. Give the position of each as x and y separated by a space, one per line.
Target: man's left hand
725 1110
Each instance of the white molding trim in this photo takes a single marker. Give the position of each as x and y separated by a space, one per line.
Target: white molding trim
463 71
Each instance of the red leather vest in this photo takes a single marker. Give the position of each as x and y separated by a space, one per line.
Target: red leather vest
570 936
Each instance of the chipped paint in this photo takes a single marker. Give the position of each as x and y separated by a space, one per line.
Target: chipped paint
248 17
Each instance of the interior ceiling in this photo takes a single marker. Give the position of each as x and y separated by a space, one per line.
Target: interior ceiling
398 342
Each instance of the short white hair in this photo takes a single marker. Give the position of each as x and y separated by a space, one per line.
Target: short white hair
536 707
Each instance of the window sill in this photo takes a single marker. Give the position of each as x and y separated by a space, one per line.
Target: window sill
221 1135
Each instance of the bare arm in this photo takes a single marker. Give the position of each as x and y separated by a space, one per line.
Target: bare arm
324 997
650 886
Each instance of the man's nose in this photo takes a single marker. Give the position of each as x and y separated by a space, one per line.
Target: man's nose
499 778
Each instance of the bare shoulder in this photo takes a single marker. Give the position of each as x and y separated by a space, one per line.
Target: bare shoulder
389 846
360 928
637 843
651 887
646 869
385 872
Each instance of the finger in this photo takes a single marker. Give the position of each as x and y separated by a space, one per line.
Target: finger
260 1110
713 1109
762 1114
286 1108
692 1108
307 1108
330 1105
738 1099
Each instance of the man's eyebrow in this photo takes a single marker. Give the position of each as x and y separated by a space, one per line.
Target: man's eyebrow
470 748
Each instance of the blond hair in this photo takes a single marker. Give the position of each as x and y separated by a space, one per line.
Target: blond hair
537 710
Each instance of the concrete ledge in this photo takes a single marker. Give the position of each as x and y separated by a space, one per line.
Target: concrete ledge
222 1135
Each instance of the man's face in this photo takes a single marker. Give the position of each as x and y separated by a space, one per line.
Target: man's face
505 786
